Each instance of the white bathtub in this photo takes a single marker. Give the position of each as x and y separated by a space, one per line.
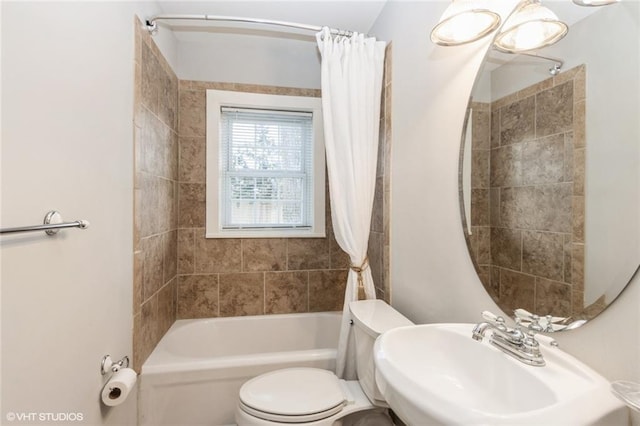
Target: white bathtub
194 374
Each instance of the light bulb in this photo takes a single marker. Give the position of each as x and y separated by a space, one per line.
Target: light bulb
531 27
461 24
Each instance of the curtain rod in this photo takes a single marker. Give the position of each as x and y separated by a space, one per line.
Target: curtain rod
557 62
152 25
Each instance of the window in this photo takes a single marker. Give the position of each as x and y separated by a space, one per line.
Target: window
265 166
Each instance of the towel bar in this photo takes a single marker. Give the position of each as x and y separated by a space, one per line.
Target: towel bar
48 227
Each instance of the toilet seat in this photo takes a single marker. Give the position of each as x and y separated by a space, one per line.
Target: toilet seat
293 395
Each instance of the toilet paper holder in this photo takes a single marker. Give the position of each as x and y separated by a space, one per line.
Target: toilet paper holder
108 366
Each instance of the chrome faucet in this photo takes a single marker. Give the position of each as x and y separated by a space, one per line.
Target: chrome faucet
513 341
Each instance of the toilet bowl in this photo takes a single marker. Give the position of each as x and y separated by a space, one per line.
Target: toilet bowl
308 396
316 397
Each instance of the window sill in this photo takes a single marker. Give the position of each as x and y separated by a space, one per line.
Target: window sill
294 233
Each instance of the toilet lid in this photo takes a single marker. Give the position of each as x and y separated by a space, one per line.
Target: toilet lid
293 392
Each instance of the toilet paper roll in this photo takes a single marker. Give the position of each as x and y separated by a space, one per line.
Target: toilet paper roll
118 387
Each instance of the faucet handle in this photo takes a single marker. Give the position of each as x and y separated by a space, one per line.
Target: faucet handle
530 344
490 316
496 320
534 325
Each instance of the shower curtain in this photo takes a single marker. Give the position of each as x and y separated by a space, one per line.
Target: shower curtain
351 82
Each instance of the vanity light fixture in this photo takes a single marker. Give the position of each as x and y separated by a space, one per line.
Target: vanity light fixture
463 22
594 2
531 27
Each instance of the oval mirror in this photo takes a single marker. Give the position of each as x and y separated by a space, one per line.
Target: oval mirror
550 169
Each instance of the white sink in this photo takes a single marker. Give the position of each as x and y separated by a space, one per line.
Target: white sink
437 374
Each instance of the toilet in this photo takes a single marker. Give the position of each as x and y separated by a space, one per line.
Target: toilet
316 397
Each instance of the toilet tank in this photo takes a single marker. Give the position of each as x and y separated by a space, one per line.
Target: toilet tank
371 318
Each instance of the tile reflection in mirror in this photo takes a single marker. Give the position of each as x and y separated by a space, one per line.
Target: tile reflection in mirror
526 201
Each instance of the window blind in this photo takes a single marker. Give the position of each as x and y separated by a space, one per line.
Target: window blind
266 170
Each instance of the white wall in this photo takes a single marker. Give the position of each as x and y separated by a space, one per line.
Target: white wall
67 144
482 88
262 54
613 153
432 276
250 59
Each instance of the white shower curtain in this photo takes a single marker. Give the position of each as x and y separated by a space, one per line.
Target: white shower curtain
351 73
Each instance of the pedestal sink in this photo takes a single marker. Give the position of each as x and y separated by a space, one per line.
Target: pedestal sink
437 374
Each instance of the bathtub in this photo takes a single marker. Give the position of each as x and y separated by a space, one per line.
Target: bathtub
194 374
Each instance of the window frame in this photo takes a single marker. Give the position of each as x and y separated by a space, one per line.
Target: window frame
215 100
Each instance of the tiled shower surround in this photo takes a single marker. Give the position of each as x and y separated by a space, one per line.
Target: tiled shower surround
181 274
155 198
379 236
527 196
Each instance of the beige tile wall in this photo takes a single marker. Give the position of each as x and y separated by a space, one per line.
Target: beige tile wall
528 196
244 276
155 190
379 236
230 277
480 238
